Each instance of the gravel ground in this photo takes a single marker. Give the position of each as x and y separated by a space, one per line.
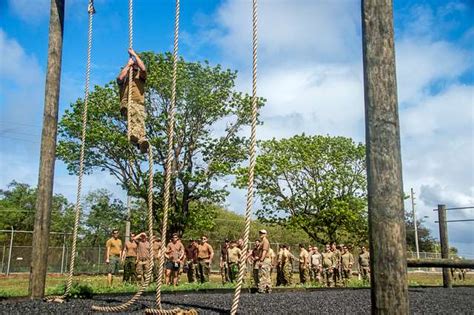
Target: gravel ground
336 301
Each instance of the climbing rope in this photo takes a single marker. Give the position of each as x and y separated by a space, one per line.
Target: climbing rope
130 70
168 170
149 269
77 208
253 142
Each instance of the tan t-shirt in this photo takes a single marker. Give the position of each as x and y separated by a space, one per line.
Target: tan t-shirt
234 254
264 246
347 260
205 251
115 246
304 256
138 88
175 250
131 248
364 259
328 260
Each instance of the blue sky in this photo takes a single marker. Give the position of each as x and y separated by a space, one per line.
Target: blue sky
310 70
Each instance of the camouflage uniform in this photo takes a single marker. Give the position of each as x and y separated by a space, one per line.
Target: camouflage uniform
303 266
315 266
287 267
265 267
137 105
329 263
337 268
347 260
364 266
130 261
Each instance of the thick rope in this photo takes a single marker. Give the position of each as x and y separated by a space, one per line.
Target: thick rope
168 168
77 208
130 71
250 187
149 269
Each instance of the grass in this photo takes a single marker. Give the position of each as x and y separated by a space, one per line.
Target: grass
17 285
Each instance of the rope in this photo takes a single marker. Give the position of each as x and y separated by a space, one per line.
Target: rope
253 142
77 208
168 170
130 71
149 269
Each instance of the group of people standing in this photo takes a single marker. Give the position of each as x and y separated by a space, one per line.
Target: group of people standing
331 267
194 260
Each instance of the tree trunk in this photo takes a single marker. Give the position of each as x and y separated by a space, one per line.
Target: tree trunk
39 261
389 292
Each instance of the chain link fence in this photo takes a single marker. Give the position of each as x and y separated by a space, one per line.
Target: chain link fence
16 258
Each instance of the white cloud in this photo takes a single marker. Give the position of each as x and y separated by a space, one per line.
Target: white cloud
420 63
310 73
30 11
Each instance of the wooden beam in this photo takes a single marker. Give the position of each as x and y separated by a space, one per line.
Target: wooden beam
443 240
448 263
39 259
389 290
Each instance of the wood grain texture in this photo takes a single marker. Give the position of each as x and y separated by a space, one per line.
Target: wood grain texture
48 153
389 292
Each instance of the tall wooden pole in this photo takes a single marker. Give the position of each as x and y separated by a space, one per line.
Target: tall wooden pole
389 293
443 240
39 259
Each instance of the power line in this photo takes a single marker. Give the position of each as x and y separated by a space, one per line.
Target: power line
463 220
457 208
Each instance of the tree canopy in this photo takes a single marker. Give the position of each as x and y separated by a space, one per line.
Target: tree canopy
316 183
17 211
207 143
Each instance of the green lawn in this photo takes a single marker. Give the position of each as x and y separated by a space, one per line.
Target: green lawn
17 285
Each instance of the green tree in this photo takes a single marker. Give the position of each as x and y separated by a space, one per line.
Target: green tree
104 214
426 242
315 183
17 210
207 143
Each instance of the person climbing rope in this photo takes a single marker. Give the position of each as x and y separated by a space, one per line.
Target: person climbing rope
137 99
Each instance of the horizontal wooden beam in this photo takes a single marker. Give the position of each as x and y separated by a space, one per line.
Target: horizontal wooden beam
446 263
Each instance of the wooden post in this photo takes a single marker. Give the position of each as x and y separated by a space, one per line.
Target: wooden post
389 291
443 240
129 216
39 259
10 251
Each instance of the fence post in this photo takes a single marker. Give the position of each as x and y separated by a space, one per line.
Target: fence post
443 240
10 252
98 261
3 257
64 251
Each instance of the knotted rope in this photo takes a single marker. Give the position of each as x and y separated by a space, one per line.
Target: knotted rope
253 142
77 207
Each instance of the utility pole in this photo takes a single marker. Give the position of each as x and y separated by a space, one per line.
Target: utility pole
39 261
415 223
389 290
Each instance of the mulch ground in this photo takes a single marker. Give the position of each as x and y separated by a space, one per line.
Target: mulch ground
317 301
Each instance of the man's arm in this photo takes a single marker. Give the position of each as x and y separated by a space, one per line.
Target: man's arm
124 72
211 253
107 254
139 61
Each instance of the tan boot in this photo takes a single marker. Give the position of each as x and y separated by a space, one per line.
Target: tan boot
144 145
